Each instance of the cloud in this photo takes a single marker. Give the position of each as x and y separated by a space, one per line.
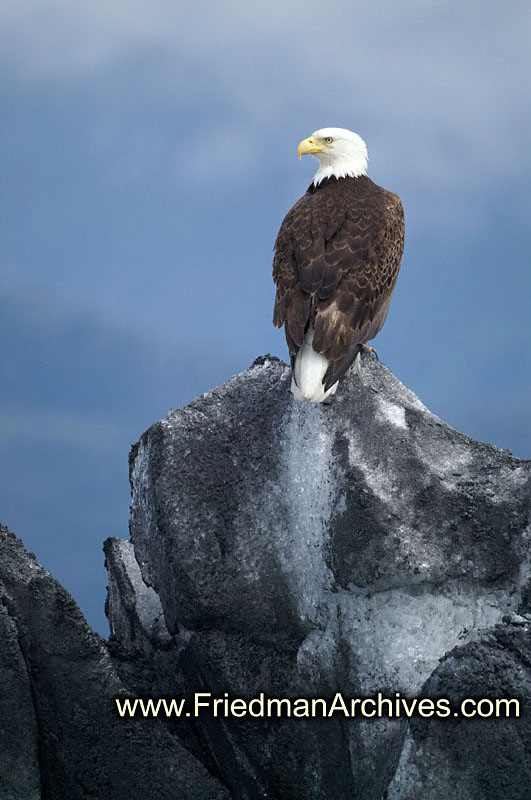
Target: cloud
59 38
58 428
436 88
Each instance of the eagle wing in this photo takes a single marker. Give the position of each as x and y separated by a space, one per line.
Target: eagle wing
337 257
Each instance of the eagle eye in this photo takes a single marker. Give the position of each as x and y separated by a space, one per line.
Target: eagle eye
329 140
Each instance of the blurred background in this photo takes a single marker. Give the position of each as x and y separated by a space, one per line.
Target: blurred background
148 159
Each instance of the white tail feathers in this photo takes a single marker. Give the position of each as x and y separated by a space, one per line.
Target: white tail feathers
308 373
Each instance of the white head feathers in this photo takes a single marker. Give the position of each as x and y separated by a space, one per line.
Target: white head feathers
340 153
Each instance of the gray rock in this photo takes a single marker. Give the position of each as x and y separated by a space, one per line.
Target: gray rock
300 550
19 754
60 734
134 610
482 759
284 550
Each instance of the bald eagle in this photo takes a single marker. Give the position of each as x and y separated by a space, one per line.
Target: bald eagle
337 256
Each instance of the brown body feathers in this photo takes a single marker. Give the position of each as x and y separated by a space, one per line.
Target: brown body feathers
337 257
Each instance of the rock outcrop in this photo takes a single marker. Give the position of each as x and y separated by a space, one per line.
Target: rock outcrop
474 758
285 550
301 550
61 737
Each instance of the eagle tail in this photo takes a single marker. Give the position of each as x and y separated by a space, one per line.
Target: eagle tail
336 369
309 371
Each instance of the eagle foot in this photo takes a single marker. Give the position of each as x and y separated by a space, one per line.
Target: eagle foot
371 350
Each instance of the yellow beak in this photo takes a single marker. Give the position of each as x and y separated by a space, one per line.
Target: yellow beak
308 146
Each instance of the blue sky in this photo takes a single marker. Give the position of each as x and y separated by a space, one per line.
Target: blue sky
148 158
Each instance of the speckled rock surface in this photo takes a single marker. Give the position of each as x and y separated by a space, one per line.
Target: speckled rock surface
480 758
303 550
134 610
60 735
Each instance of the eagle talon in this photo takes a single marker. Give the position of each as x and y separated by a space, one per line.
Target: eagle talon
371 350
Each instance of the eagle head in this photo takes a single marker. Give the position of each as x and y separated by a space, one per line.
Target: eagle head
340 153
